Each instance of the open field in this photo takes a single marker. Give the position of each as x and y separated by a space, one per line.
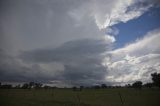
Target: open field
86 97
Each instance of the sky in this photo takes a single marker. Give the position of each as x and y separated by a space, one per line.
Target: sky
79 42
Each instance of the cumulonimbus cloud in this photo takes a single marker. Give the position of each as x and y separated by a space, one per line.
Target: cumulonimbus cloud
73 63
66 41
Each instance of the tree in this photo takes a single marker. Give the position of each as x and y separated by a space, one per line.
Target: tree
18 86
38 85
6 86
74 88
31 85
128 85
97 87
25 86
156 79
148 85
137 84
81 88
103 86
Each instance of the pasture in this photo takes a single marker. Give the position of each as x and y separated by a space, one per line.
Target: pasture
86 97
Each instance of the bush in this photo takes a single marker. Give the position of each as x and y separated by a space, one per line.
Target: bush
137 84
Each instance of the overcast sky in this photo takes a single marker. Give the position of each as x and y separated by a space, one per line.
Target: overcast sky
79 42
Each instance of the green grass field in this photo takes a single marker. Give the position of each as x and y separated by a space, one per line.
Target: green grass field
86 97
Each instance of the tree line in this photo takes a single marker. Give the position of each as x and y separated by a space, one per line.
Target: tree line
155 82
138 85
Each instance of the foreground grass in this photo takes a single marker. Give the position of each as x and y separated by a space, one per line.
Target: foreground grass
87 97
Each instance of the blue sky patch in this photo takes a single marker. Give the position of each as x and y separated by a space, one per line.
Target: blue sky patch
137 28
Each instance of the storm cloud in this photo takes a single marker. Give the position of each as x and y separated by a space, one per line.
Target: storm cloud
71 42
76 62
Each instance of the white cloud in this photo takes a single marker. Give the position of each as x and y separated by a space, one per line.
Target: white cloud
112 31
108 13
136 61
150 43
109 38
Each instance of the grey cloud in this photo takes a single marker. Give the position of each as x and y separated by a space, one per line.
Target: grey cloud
34 24
154 2
81 59
28 25
68 51
8 68
12 69
140 4
137 6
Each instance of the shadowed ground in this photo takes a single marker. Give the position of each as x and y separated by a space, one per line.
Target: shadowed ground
86 97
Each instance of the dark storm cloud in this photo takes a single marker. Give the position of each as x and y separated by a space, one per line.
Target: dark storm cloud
81 60
85 74
8 68
12 70
71 51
